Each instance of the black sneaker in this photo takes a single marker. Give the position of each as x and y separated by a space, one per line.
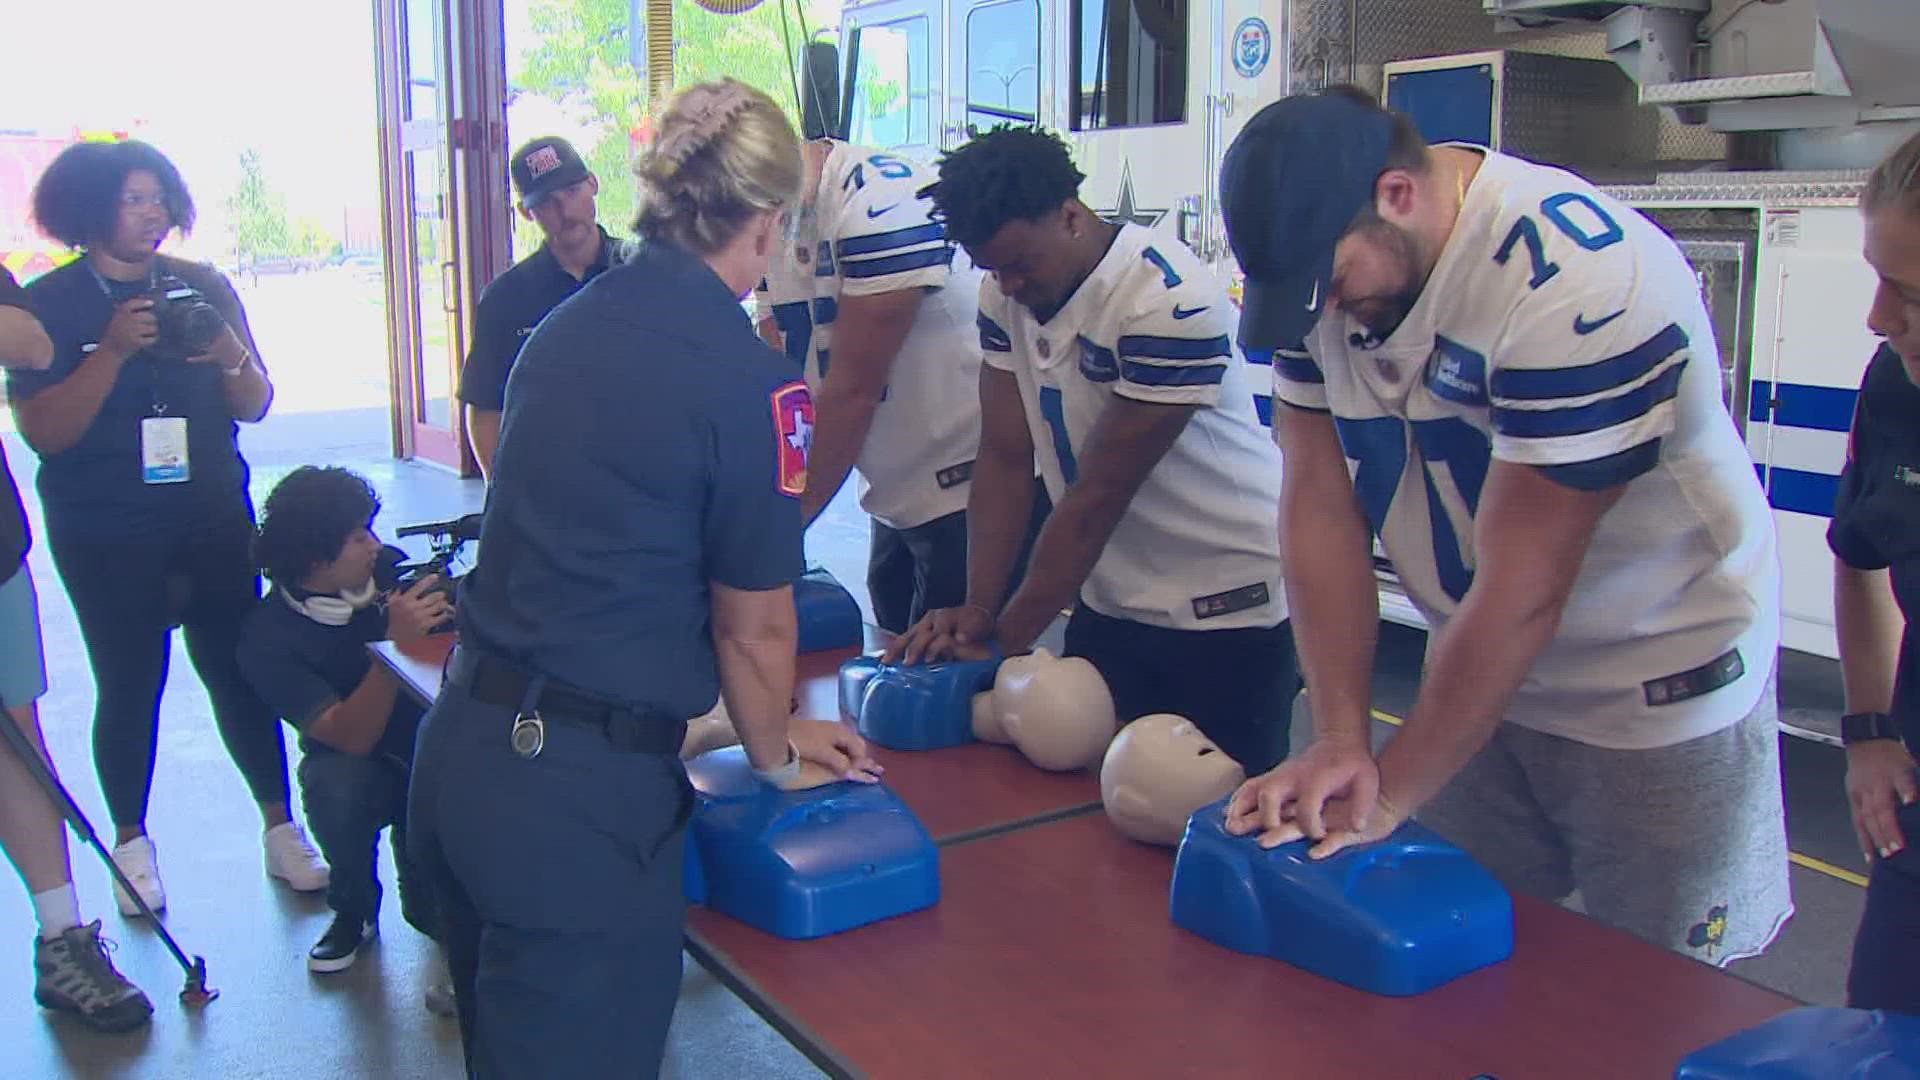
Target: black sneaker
73 974
340 944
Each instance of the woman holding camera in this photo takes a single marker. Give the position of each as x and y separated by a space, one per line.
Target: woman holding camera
144 489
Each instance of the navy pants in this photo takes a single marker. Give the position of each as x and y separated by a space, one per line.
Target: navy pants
1237 686
913 571
558 880
349 801
1886 950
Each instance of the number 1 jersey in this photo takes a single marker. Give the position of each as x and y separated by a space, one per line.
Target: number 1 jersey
1563 330
1198 547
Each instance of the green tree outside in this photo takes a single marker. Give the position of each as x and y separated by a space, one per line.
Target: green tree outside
582 58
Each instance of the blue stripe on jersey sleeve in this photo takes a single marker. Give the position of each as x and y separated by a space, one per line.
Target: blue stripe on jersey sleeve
993 337
896 264
874 243
1597 377
1184 375
1597 416
1150 347
1297 367
825 310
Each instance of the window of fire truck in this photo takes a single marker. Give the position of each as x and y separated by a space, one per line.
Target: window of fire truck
893 95
1129 63
1003 65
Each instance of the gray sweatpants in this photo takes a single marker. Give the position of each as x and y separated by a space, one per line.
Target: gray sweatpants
1684 846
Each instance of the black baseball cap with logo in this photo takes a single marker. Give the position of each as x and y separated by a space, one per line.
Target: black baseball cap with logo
1291 184
544 166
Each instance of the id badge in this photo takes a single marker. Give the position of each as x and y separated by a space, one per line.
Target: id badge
163 450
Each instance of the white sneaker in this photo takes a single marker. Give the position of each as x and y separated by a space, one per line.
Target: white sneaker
135 858
291 859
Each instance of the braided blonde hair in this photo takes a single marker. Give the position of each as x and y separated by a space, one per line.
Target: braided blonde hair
723 153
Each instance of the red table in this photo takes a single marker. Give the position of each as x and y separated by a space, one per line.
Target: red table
958 794
1051 954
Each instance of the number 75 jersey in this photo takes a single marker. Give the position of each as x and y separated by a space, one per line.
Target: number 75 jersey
1562 330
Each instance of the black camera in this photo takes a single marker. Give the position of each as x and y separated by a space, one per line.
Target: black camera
188 324
446 538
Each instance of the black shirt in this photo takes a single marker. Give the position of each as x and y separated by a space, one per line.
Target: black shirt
651 443
94 489
1876 518
15 538
508 311
302 668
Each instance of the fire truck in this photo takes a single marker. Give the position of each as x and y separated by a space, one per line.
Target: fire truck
1743 128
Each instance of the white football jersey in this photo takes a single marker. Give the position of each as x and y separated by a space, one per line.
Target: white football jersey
1564 330
1197 548
872 233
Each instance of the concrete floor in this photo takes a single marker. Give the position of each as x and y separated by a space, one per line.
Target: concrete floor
274 1019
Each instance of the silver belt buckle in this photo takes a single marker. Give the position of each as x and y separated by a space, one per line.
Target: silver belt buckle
529 735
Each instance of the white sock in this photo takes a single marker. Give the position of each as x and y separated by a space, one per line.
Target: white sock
58 910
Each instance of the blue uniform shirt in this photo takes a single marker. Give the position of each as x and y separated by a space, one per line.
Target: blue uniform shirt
650 444
1876 519
94 489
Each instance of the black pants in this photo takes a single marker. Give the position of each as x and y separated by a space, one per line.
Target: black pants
1886 950
913 571
127 595
558 881
1237 686
349 800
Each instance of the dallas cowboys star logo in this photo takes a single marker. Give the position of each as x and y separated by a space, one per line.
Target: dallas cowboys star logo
1125 210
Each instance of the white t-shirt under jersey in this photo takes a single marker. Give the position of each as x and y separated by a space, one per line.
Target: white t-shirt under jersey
872 233
1562 329
1197 548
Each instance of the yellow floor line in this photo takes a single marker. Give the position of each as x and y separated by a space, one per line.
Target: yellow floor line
1818 866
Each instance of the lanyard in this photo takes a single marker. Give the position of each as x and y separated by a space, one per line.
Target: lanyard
153 372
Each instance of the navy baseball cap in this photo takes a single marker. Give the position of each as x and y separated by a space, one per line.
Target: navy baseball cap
1290 185
544 166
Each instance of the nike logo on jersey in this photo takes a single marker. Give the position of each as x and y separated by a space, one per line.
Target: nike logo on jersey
1186 313
874 212
1582 327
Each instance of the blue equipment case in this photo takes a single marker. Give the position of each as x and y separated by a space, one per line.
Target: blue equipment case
1814 1044
915 707
828 615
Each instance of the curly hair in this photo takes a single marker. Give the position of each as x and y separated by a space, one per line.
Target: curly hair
77 200
1007 174
308 518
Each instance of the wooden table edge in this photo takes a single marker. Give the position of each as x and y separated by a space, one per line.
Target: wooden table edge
801 1036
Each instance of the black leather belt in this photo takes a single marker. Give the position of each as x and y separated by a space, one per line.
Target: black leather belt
487 678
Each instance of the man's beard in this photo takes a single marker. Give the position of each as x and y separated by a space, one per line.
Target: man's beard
1393 310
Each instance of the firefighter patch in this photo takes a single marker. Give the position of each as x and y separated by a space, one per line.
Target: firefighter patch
793 427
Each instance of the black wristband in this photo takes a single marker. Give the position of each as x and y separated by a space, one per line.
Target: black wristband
1867 726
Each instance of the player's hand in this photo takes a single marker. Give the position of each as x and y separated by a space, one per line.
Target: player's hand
830 751
963 633
1880 780
413 614
1345 830
1290 800
132 328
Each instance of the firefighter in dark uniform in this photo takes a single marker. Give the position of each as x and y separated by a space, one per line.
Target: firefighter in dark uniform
1875 538
642 534
557 192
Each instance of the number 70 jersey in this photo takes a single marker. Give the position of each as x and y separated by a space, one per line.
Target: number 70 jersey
1562 330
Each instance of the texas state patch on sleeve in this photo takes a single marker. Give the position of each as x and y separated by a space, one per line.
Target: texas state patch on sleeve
793 426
